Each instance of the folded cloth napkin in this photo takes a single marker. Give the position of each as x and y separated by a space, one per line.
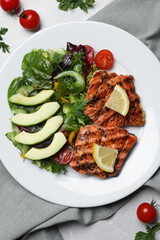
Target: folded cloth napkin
24 216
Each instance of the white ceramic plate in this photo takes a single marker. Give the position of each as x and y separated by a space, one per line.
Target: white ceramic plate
73 189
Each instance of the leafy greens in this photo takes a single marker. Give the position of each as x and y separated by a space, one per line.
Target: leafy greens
3 46
74 115
37 69
64 5
15 85
23 148
50 164
150 234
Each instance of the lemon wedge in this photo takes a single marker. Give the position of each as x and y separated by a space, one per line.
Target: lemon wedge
118 101
104 157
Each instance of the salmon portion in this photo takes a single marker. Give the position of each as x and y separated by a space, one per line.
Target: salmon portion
117 138
101 86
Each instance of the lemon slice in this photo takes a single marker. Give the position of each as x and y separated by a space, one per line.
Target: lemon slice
104 157
118 101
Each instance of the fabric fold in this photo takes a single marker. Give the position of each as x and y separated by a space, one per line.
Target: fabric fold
139 17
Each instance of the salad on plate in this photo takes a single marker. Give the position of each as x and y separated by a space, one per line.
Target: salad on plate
68 110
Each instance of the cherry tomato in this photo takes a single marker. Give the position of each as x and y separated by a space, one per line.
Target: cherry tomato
146 212
104 59
89 55
29 19
10 5
65 155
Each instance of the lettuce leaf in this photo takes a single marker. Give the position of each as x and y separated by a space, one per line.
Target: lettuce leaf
16 84
74 116
23 148
50 164
37 69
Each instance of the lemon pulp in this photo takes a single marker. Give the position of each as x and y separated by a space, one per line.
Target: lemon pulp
104 157
118 101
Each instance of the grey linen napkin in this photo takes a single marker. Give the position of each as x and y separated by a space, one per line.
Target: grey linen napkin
24 216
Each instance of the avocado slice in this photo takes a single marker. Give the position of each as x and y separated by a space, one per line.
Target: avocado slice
28 119
40 153
47 131
41 97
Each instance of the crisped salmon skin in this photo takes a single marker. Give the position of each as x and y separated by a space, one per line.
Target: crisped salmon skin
100 88
117 138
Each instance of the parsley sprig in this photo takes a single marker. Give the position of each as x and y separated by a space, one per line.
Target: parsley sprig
150 234
78 107
3 46
74 116
64 5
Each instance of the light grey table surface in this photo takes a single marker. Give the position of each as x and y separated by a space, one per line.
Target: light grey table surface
124 224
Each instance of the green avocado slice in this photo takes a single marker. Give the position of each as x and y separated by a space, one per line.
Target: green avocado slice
47 131
28 119
40 153
41 97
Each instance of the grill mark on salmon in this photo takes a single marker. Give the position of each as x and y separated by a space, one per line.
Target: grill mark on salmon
101 86
117 138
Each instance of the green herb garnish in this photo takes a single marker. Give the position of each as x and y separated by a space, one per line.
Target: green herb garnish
65 5
150 234
74 116
3 46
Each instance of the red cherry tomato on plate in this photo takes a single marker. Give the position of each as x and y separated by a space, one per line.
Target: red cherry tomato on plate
89 55
10 5
29 19
65 155
146 212
104 59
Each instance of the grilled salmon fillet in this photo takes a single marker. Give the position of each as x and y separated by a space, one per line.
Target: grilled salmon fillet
100 88
117 138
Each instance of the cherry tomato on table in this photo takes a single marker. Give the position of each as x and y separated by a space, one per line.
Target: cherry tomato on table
10 5
146 212
104 59
29 19
65 155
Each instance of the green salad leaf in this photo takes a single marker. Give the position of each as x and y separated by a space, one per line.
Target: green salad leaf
37 69
26 89
70 123
92 70
78 107
74 116
78 62
50 164
23 148
57 58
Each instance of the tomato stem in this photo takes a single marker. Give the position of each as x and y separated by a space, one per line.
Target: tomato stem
22 15
13 10
153 204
